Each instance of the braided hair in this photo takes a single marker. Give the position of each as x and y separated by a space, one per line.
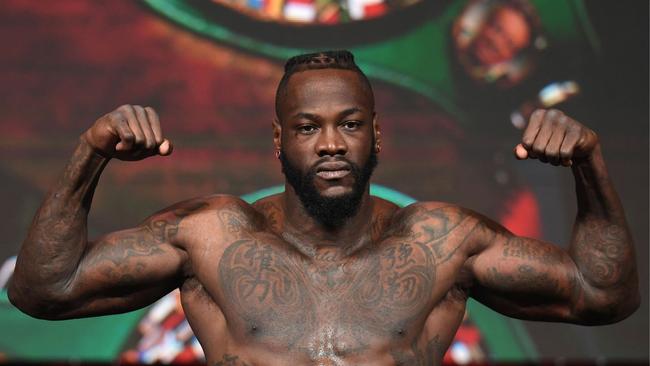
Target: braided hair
339 59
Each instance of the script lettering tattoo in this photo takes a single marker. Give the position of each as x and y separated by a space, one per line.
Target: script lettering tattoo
521 248
117 255
328 266
526 279
230 360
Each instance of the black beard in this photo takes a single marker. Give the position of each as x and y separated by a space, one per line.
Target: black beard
331 212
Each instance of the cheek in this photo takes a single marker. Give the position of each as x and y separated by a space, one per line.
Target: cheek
298 154
363 150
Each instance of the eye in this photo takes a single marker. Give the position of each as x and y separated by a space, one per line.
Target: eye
307 129
351 125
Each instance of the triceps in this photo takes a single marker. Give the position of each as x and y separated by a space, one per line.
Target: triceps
147 255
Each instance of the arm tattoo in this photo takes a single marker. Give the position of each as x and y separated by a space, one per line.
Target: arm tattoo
524 249
601 252
602 246
57 237
118 256
230 360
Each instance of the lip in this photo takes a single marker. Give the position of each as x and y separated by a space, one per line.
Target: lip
332 174
333 170
332 166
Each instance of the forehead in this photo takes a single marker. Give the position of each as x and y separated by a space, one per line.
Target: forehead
324 90
514 23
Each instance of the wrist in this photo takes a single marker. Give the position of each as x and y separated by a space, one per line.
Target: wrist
595 156
88 147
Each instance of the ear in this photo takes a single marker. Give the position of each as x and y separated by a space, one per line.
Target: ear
377 132
277 134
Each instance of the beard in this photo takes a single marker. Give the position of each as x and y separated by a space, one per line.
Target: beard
331 212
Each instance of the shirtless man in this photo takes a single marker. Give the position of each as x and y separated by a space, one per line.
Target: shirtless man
324 273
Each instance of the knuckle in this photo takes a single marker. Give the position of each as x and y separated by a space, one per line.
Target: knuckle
538 150
527 141
115 116
549 150
565 153
555 112
122 122
538 113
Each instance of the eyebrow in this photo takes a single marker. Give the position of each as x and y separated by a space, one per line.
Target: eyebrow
314 117
348 112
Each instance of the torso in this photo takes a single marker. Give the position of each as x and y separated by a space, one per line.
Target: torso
254 299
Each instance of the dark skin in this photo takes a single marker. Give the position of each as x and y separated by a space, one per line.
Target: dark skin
266 284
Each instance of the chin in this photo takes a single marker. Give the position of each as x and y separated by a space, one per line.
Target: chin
335 192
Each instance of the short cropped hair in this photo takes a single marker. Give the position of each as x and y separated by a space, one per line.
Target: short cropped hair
340 59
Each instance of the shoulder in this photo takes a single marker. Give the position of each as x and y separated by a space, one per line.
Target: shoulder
271 209
215 211
384 206
439 218
204 205
420 212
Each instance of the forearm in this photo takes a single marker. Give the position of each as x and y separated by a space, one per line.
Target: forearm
601 245
57 236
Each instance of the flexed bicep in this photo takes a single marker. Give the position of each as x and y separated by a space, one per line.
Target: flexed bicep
526 278
595 280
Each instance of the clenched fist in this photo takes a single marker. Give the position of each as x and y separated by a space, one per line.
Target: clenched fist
554 138
130 132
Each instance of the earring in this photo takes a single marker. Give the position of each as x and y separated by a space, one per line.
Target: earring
277 154
378 148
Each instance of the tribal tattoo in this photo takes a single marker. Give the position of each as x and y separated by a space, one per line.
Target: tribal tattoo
282 297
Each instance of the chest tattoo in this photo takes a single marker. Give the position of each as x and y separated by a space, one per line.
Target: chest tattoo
327 304
285 297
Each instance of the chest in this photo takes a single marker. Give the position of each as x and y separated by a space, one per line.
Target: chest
275 295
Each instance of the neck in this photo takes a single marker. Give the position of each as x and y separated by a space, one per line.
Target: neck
309 235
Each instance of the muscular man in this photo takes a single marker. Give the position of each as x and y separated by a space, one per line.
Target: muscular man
324 273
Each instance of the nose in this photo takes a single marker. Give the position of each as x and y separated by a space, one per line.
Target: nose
331 142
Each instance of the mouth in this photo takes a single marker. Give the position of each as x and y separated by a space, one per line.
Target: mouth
333 170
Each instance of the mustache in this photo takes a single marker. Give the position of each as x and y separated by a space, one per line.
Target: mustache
328 159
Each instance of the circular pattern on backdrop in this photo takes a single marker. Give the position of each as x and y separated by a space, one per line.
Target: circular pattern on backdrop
498 41
307 23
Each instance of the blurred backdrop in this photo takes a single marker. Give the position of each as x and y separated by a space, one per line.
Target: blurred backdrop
455 82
